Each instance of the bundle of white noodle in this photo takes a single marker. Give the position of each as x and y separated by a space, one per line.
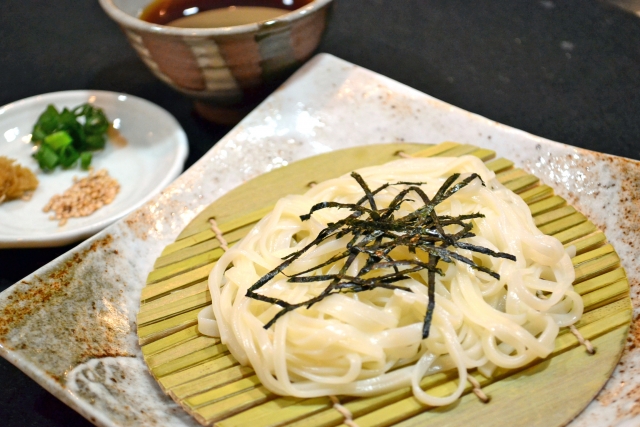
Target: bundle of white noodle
371 342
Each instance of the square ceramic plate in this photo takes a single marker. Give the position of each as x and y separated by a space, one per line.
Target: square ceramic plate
71 325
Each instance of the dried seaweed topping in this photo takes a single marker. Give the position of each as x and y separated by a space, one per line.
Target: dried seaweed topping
375 234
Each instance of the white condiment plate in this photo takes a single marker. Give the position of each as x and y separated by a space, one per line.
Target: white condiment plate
153 157
71 325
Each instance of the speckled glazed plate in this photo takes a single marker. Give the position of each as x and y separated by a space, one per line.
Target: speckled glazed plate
152 156
71 325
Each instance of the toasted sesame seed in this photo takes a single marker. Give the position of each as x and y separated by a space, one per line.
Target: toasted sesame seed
84 197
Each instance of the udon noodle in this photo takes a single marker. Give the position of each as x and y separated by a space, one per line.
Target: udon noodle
371 342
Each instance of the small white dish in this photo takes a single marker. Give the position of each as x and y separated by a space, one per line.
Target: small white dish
153 157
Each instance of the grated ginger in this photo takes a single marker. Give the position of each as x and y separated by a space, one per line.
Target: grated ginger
16 182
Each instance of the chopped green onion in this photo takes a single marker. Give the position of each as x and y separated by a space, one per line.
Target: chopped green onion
68 156
47 158
58 140
65 136
85 160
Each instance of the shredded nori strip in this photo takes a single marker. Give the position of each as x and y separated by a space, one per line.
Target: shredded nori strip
376 232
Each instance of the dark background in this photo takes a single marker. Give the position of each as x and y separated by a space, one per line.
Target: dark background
565 70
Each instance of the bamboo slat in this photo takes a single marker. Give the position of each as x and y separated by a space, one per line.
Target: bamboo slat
223 392
587 242
225 367
277 412
154 331
600 281
536 194
175 282
549 204
199 248
200 374
192 358
483 154
435 149
185 265
170 341
178 302
510 175
457 151
212 381
499 165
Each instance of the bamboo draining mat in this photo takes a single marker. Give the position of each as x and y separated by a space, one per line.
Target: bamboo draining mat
200 374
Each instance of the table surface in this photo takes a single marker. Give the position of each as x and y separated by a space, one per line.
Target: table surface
567 71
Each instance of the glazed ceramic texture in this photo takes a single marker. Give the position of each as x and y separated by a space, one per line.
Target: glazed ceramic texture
226 66
71 325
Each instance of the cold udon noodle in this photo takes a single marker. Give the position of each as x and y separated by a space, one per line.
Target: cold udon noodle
371 342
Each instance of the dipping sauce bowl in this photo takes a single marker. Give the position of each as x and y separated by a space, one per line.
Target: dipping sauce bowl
227 70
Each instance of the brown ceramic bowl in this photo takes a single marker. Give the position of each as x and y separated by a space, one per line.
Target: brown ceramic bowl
225 70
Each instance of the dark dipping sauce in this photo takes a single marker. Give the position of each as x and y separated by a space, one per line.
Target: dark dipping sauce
164 12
